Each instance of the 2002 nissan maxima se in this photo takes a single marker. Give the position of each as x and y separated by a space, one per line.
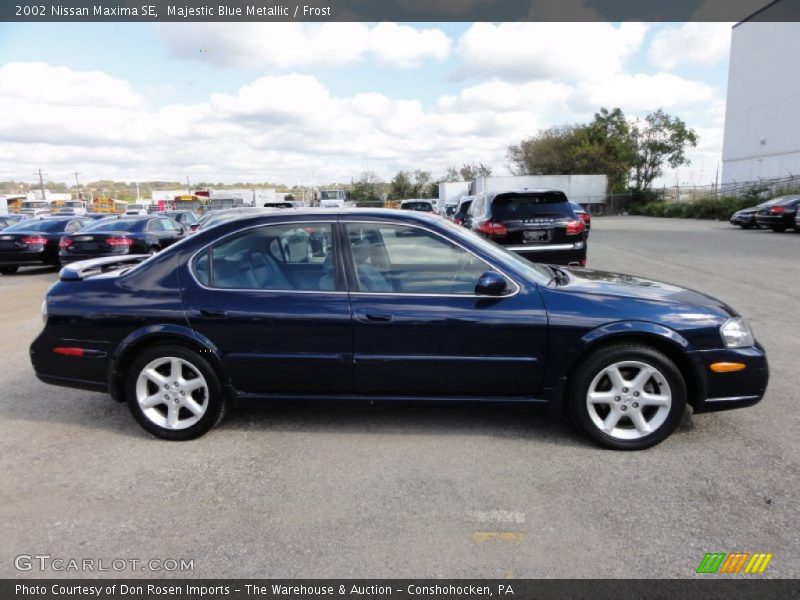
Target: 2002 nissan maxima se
394 305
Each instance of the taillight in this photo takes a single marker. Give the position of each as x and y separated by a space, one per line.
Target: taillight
34 240
777 210
575 227
583 262
493 229
585 217
119 241
65 243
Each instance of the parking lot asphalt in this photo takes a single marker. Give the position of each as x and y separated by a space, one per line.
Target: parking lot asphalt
414 490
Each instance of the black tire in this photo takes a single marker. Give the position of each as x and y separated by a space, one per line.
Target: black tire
8 270
217 403
595 363
778 228
153 250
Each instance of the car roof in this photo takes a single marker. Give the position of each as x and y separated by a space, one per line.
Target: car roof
787 199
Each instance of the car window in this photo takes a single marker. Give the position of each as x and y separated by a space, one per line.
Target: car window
409 260
419 206
113 224
155 225
44 225
274 257
73 226
527 206
169 225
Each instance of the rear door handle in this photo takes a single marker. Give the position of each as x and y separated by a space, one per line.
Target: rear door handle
374 315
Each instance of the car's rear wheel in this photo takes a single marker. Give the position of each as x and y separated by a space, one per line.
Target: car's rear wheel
152 251
8 270
174 393
627 397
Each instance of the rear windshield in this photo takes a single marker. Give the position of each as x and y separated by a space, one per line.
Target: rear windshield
45 225
423 206
788 201
526 206
114 225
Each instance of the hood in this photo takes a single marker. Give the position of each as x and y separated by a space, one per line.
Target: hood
589 281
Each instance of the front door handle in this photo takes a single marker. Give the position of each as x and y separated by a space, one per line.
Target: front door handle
374 315
212 313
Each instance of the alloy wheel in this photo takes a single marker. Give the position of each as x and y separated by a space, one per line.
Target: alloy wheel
172 393
629 400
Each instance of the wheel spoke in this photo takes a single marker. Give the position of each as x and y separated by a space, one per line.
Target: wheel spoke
193 406
172 415
641 424
648 399
617 380
151 401
175 369
155 377
602 397
194 384
611 420
641 378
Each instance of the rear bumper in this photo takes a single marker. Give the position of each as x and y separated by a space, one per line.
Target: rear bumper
776 220
726 391
83 373
19 259
554 254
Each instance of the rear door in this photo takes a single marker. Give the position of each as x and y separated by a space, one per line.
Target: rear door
275 304
420 330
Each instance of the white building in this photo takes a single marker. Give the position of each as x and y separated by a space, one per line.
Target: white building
762 118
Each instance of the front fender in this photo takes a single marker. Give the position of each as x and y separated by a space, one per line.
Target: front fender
153 334
665 339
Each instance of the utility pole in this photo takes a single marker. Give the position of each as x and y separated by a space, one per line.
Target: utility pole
78 185
41 185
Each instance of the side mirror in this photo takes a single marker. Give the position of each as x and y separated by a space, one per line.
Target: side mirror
491 283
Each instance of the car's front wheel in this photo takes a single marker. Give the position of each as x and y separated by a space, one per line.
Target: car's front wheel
627 397
174 393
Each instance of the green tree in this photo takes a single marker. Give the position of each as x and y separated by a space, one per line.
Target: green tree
402 186
660 139
366 189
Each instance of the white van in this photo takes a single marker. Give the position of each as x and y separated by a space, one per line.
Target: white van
332 199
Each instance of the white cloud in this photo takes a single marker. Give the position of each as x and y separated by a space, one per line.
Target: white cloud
704 44
526 51
304 45
257 134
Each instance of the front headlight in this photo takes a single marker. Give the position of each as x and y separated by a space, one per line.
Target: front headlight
736 333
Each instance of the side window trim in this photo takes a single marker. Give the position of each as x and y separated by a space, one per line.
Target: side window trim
340 283
352 281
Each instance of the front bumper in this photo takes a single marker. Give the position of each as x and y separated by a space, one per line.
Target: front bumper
726 391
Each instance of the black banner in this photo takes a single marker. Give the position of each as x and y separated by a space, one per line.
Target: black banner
400 589
398 10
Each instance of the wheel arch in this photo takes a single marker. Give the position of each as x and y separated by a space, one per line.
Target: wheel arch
665 340
147 337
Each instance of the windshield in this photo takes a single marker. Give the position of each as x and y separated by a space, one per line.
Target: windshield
507 207
501 256
114 225
48 225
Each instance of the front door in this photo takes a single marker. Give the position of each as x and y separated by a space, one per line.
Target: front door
420 330
272 300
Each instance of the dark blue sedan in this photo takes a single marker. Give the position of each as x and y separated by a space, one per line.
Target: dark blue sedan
385 304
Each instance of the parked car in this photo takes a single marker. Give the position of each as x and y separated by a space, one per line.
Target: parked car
8 220
35 241
122 235
583 215
184 218
463 208
283 204
212 218
780 215
746 218
418 205
441 315
797 220
539 225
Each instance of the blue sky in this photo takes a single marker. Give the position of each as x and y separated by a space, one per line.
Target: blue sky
132 100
